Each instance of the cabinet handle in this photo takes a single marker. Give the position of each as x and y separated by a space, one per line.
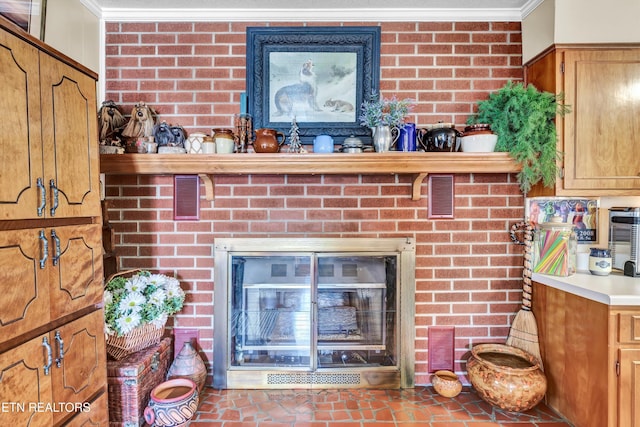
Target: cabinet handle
56 240
60 342
43 196
45 344
54 190
155 361
45 249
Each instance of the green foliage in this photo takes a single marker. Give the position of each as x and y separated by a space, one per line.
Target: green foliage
390 112
523 119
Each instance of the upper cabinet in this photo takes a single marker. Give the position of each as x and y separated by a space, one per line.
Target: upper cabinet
49 162
600 135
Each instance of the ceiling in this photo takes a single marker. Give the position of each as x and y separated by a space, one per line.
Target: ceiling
313 10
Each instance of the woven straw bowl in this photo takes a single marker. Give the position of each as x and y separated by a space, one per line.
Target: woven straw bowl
506 377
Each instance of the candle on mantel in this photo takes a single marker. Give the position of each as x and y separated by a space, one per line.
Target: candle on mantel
243 103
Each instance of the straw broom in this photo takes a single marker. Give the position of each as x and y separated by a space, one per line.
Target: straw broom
524 330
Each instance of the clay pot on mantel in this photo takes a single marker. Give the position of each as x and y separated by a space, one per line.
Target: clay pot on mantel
268 141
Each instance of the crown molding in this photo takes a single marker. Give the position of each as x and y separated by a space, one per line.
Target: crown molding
435 14
93 7
529 7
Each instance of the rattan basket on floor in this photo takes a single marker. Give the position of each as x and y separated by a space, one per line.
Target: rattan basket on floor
138 339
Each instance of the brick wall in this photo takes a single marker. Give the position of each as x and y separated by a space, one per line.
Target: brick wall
468 273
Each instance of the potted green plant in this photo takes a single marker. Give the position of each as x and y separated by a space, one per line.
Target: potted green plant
381 116
523 118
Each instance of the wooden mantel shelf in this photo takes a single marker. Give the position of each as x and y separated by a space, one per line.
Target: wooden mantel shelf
207 166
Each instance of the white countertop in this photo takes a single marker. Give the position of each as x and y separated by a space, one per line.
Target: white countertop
614 289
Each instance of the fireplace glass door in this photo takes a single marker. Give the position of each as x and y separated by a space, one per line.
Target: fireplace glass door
312 311
271 311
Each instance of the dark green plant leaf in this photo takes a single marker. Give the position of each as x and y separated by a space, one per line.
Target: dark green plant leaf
523 118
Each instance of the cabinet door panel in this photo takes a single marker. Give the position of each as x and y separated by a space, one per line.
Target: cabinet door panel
96 416
69 137
20 139
24 385
23 284
602 88
83 371
629 388
76 278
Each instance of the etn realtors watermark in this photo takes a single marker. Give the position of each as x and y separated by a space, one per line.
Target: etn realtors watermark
8 407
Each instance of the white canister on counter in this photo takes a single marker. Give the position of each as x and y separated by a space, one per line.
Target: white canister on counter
600 261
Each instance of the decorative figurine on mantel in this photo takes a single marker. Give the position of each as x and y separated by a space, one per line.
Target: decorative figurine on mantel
111 123
162 134
139 130
179 135
294 138
141 123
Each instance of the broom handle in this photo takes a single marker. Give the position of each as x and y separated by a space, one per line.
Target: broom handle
527 230
527 288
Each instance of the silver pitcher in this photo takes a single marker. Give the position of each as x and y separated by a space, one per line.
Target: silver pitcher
383 138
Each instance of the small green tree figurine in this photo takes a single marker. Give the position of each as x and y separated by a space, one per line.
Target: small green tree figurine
523 118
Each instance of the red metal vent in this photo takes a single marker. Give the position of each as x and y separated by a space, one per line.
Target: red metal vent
441 196
441 346
186 197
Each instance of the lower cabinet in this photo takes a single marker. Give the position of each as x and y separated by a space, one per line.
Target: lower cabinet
56 376
628 359
591 357
47 273
94 415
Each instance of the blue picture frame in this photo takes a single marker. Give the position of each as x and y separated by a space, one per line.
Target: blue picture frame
318 75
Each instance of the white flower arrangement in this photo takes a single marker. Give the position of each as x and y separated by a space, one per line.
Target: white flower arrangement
140 299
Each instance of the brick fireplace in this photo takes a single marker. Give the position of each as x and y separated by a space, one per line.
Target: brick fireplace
468 274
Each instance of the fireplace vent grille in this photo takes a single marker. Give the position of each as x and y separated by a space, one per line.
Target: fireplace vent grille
314 378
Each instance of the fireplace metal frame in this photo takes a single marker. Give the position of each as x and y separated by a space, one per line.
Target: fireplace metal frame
400 376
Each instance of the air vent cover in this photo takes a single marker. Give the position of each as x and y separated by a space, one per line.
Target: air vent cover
186 197
441 346
441 196
314 378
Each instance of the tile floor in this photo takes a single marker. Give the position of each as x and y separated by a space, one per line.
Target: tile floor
420 406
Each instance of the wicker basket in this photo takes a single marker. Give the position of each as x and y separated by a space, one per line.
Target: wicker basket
142 337
131 380
138 339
